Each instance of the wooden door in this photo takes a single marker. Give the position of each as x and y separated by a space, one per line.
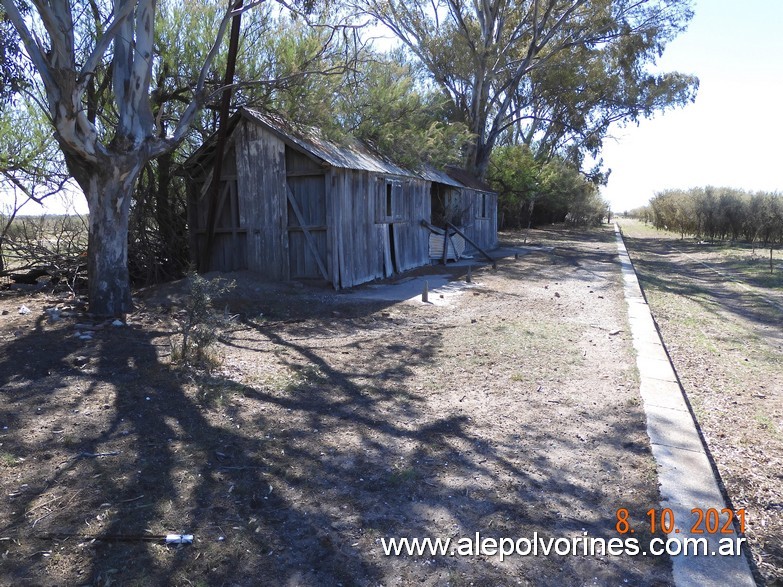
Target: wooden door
307 229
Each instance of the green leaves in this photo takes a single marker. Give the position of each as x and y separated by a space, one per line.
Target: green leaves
720 213
12 74
552 73
531 190
387 107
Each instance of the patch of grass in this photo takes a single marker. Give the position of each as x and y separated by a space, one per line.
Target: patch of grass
7 459
305 376
401 476
216 392
766 423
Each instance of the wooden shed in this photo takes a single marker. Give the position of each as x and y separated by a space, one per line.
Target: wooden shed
293 205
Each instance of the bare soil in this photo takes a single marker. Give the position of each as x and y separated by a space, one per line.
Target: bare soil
331 423
720 311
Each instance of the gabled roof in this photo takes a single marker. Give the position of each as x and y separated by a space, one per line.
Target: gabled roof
353 155
466 179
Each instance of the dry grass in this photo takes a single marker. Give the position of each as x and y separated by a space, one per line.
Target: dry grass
332 424
727 347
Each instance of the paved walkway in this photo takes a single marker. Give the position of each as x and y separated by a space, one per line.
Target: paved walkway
686 476
441 288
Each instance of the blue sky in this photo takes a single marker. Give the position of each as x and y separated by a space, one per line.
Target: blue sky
731 135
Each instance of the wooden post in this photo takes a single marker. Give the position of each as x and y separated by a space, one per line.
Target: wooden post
225 104
478 248
469 278
425 297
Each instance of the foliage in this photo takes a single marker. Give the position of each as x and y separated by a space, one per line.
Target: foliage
588 87
374 97
12 74
31 167
532 191
30 161
556 72
643 213
388 109
201 324
717 213
515 174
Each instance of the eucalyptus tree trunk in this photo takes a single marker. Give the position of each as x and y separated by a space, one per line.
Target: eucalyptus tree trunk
109 189
104 158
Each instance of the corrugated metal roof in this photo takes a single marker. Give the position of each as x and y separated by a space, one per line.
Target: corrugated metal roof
355 155
438 176
466 179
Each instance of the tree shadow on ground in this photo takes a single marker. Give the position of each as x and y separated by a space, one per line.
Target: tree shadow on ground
292 483
663 267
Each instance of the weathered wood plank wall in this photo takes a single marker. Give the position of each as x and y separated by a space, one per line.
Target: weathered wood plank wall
480 217
263 201
411 237
363 224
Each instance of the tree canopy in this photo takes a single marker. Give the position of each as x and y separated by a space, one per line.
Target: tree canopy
557 72
12 74
718 213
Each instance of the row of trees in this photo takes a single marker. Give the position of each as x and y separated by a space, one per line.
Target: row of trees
130 87
533 192
716 213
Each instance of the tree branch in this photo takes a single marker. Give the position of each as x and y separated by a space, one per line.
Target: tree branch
199 96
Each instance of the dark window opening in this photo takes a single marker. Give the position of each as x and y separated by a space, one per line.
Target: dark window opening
481 209
389 207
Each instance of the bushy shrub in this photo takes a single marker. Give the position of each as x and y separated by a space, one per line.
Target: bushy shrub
533 192
720 214
202 324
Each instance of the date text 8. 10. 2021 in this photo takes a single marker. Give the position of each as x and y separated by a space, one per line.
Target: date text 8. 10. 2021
703 521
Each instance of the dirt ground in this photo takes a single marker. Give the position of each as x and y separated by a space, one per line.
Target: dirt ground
720 311
331 423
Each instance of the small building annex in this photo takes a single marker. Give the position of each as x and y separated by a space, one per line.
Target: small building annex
294 205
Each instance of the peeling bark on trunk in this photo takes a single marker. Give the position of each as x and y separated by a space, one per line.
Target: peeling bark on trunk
105 161
109 191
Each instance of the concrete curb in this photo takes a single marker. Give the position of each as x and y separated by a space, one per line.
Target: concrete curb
686 476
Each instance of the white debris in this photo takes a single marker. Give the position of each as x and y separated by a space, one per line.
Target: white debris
118 323
24 310
179 538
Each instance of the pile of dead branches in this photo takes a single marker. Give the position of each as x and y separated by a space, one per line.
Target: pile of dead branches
45 251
